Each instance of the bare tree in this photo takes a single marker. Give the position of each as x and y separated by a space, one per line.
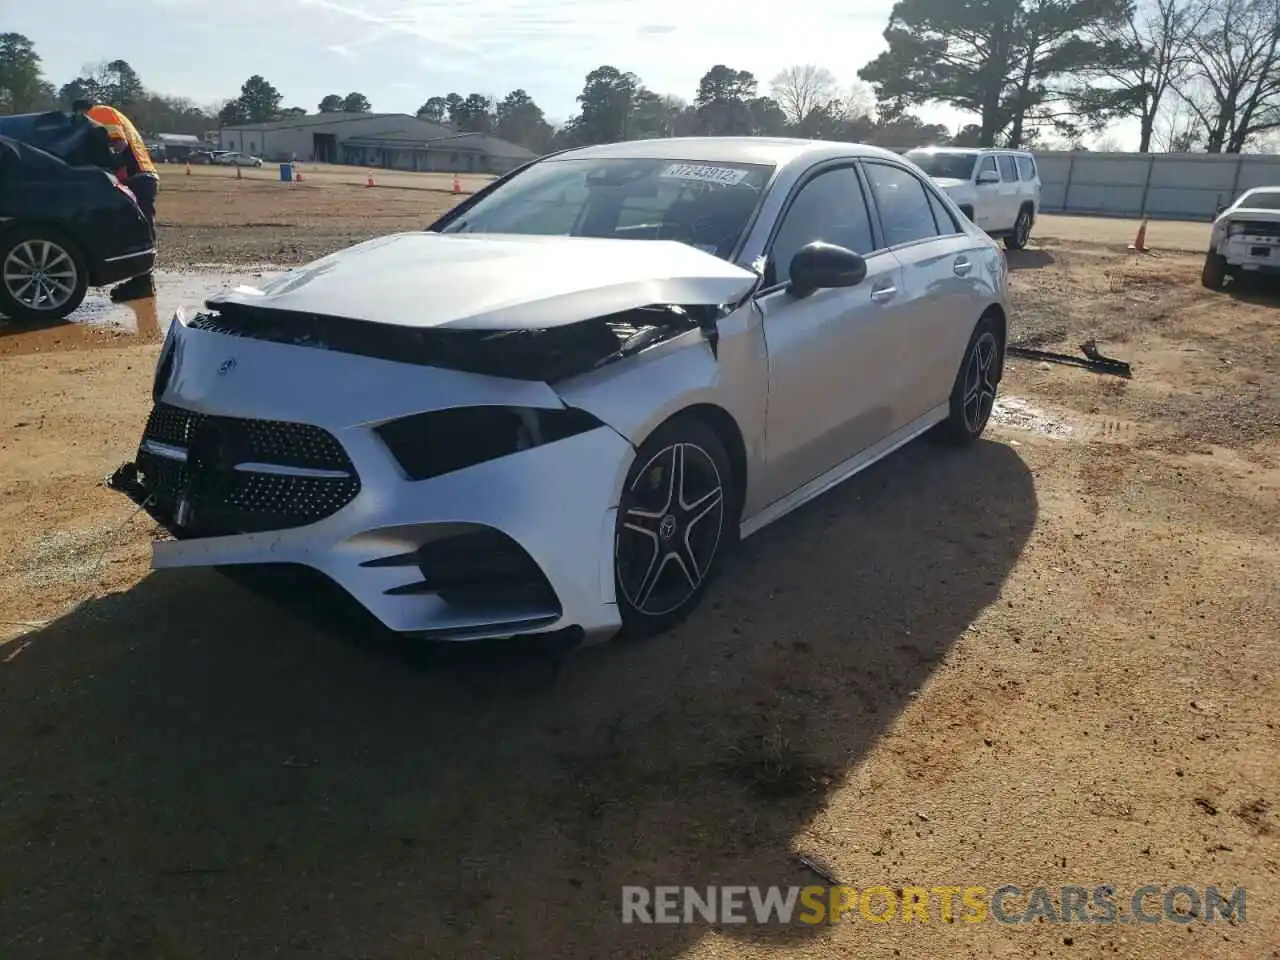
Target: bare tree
1146 55
1235 94
800 89
1177 130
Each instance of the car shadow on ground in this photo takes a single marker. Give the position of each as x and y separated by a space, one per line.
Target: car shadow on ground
1033 258
1259 291
190 771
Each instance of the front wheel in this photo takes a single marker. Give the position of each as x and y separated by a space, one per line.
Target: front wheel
973 395
676 517
1214 274
1021 231
42 275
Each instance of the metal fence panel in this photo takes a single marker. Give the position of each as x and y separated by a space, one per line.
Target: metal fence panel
1176 186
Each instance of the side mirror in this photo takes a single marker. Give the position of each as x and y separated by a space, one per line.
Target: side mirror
818 265
988 176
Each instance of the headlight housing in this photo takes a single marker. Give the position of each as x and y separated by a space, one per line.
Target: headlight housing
432 444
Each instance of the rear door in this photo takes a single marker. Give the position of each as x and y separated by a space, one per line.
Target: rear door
831 354
935 312
1010 191
987 212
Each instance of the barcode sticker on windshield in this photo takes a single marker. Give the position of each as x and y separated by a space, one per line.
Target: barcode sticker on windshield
727 176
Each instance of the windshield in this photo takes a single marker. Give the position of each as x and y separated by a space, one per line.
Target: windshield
704 204
949 166
1260 200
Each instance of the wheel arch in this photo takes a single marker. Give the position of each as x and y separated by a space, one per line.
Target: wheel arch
726 428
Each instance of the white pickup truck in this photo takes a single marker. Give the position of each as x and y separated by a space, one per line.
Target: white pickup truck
1245 238
999 190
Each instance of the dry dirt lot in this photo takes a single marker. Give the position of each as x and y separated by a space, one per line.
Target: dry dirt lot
1049 659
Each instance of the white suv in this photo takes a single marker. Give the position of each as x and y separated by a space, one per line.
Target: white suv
999 190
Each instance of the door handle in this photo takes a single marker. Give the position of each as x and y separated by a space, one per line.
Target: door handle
884 294
962 267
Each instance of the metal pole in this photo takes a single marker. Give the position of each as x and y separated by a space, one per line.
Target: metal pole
1066 190
1146 187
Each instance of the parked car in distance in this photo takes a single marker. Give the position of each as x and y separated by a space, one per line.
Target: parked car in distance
233 159
62 230
1245 238
555 409
999 190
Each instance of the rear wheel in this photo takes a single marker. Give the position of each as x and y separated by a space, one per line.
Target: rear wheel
973 395
1214 274
676 517
42 274
1021 230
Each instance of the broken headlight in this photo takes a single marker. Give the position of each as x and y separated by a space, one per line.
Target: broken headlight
431 444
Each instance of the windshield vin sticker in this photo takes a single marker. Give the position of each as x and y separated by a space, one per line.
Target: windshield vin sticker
726 176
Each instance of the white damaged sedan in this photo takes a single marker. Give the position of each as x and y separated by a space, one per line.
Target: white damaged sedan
553 411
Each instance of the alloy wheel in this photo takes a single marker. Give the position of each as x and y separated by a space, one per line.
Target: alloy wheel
980 382
672 517
40 275
1023 228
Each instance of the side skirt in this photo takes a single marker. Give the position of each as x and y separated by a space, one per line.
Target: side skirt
843 471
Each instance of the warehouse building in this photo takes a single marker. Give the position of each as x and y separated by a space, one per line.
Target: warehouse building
392 141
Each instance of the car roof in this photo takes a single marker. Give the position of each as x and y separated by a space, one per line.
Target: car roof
777 151
970 151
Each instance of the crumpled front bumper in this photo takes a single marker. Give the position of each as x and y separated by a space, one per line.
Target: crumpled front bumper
438 557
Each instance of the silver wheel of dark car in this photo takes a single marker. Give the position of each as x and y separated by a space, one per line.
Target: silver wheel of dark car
672 521
42 276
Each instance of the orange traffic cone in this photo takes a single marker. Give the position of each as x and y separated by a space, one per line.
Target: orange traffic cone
1140 241
457 184
369 182
297 174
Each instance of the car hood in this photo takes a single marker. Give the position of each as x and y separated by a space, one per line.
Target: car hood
497 282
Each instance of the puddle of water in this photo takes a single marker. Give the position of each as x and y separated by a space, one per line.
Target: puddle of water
99 322
1016 413
150 317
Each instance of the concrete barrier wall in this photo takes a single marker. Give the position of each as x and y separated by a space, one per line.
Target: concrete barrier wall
1174 186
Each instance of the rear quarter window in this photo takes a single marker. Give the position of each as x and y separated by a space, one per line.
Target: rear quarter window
1026 168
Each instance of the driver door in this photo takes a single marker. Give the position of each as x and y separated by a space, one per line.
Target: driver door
987 210
832 355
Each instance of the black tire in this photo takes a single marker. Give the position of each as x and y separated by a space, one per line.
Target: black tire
1021 233
671 519
1214 274
980 371
37 244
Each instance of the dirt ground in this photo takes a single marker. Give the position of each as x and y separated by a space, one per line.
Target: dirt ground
1049 659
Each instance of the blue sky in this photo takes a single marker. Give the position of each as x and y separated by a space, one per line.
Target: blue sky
399 52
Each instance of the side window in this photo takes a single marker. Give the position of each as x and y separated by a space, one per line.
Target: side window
988 165
1027 168
942 216
905 210
1008 170
831 208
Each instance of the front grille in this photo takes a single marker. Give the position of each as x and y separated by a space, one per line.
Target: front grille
214 476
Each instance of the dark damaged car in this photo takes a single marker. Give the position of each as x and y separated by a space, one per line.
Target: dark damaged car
66 224
554 410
